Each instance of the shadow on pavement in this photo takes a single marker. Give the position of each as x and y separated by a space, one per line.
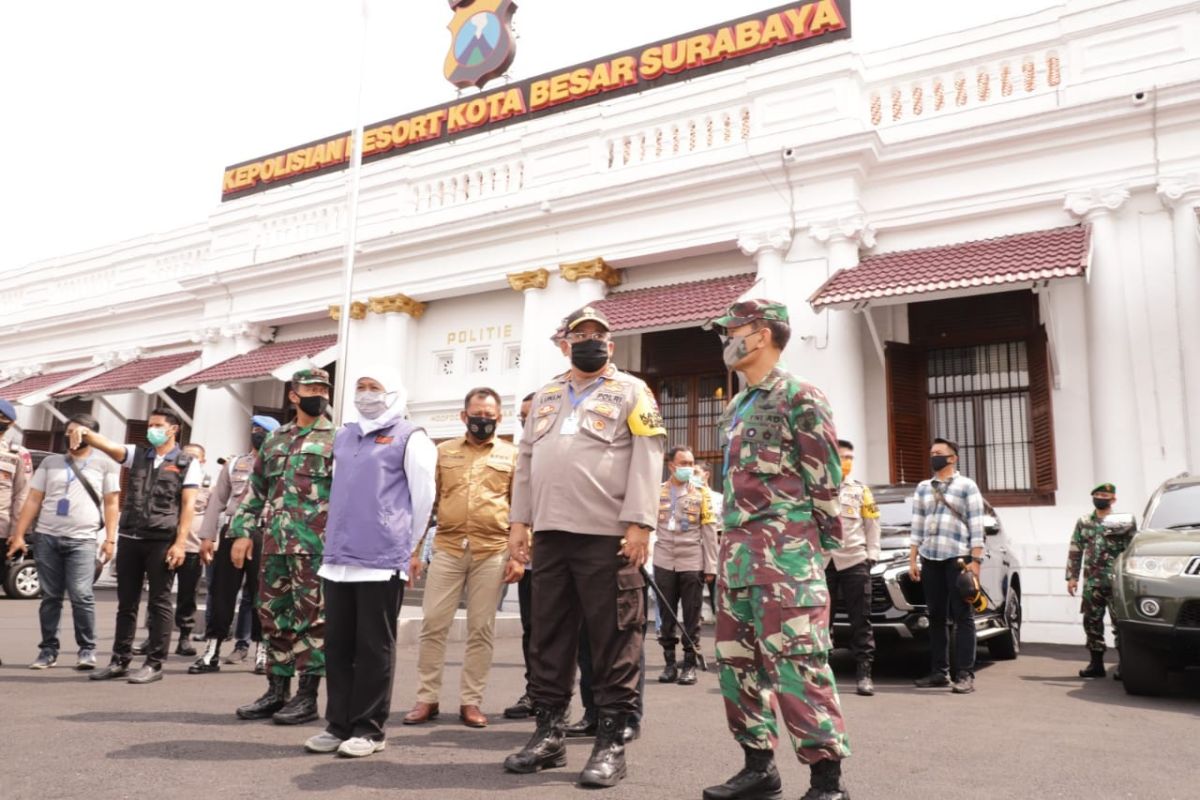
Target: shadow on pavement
342 775
209 750
156 717
457 736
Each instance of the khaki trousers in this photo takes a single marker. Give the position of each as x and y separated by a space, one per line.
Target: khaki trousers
444 584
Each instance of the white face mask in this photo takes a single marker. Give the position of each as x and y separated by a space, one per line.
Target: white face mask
371 404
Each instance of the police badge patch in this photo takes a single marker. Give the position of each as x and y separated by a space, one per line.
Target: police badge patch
482 45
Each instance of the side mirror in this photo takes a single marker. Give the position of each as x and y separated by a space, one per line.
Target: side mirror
1121 522
991 525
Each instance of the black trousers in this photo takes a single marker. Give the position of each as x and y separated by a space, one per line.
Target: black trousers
360 655
188 575
581 580
853 586
141 560
223 592
941 595
585 681
524 590
679 589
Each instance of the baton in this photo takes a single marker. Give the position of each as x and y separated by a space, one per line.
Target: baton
662 604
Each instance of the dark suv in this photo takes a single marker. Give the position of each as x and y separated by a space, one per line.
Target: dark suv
898 603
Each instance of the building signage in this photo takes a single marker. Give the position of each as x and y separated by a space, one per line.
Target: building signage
731 44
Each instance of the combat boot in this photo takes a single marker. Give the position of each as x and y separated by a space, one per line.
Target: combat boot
279 689
303 707
1095 669
547 747
670 673
865 686
184 646
606 766
687 675
758 780
209 660
826 782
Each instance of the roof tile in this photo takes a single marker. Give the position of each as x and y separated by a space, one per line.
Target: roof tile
658 306
260 363
129 377
35 383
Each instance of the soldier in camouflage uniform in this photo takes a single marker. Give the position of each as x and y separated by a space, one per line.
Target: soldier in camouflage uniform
288 499
781 477
1098 544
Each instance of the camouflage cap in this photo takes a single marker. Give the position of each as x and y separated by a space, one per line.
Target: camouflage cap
305 376
744 312
1105 487
585 314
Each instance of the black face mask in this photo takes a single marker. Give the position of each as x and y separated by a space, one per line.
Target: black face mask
589 355
314 406
1101 503
939 462
257 438
482 428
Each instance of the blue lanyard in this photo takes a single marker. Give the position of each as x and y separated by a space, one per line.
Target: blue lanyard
738 413
575 401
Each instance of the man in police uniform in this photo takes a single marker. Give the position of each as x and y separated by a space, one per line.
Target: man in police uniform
782 473
16 469
287 503
587 486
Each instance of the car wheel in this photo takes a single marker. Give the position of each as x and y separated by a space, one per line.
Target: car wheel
1007 645
1143 671
22 582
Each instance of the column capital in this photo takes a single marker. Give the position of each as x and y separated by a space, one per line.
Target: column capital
358 310
533 279
247 330
392 304
596 269
205 335
1182 190
854 229
1092 203
777 239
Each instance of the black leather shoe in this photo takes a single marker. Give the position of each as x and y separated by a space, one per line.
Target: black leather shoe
1095 668
209 660
521 709
606 766
115 669
934 680
141 648
184 646
758 779
147 673
303 707
584 728
865 686
546 749
279 689
826 782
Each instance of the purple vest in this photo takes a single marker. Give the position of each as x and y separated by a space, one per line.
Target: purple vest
370 508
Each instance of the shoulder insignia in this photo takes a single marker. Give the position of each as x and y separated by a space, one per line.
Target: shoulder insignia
645 419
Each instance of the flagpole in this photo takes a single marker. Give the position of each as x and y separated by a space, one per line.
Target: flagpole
356 139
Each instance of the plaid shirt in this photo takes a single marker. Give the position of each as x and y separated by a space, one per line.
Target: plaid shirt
936 532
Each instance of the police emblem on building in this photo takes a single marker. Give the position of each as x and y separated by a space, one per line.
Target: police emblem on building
482 44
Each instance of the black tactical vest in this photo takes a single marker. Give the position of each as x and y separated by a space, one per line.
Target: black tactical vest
152 496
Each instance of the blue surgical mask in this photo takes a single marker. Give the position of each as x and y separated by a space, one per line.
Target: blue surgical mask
683 474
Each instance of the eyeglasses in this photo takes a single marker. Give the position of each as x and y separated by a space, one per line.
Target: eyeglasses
575 338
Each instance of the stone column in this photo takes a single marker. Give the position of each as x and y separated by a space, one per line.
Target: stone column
394 317
222 417
593 278
537 325
1116 434
768 249
1182 196
843 376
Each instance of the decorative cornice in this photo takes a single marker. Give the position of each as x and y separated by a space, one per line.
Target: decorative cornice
115 358
205 335
248 330
779 240
596 269
1094 203
852 229
358 310
533 279
1183 190
394 304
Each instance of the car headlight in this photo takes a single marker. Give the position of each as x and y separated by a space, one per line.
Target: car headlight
1155 566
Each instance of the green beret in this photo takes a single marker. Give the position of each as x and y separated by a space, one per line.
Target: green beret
1105 487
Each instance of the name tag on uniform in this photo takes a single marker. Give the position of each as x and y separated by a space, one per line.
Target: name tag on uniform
384 439
570 425
63 508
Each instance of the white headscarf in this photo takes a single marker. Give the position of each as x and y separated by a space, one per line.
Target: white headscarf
389 377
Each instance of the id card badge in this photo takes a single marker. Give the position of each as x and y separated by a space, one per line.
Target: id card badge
63 508
671 524
570 425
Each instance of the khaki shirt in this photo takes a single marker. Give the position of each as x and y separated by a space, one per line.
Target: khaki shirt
16 468
474 491
203 493
686 539
227 495
605 475
860 525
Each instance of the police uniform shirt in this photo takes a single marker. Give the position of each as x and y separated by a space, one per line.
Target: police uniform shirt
226 496
860 525
686 538
16 469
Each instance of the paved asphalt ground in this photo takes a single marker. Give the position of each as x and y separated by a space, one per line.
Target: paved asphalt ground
1033 730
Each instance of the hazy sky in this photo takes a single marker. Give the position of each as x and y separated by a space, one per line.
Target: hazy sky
120 116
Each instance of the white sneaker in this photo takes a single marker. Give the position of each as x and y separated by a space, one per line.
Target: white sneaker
323 742
359 747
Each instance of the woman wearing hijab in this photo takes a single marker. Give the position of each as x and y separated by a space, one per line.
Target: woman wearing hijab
383 490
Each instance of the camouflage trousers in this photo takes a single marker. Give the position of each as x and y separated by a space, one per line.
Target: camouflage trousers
292 615
771 648
1096 597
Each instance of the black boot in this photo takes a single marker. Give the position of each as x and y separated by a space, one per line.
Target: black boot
670 672
606 767
584 728
687 675
209 660
758 780
547 747
826 782
521 709
1095 669
184 646
303 707
279 689
865 687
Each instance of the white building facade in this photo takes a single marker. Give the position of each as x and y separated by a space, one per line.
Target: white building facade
990 236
